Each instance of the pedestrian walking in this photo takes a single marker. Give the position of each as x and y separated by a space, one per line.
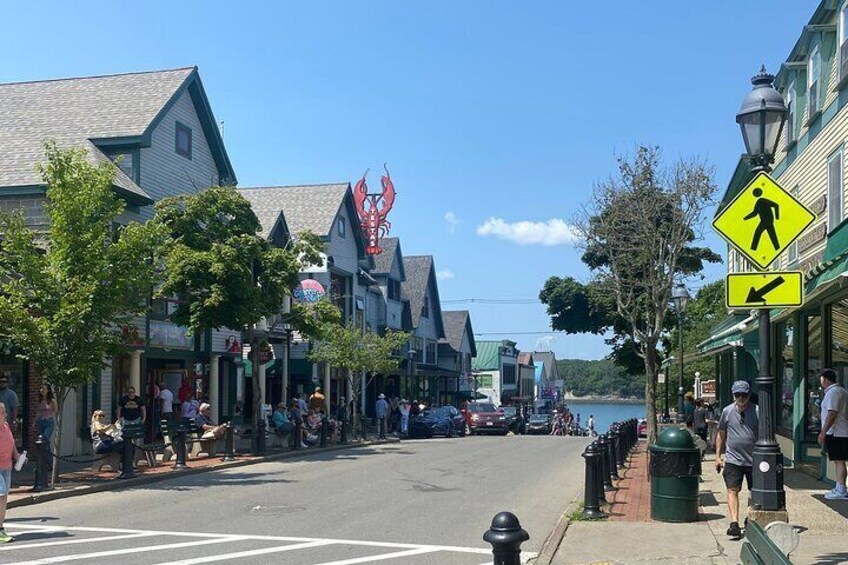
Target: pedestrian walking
737 434
590 424
10 398
699 420
834 430
166 398
382 410
45 418
8 457
404 416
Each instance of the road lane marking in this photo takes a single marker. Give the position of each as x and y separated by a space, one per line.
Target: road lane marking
46 543
393 555
247 553
125 551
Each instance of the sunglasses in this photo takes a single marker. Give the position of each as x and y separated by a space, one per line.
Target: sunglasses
740 394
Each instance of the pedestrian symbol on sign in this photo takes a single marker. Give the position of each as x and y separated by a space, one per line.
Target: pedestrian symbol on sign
763 210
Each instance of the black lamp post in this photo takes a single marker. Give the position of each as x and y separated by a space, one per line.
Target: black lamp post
680 297
665 381
761 118
410 372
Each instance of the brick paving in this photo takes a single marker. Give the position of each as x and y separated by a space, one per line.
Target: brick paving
632 501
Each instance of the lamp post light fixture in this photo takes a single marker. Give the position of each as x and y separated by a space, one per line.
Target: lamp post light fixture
680 297
761 118
663 379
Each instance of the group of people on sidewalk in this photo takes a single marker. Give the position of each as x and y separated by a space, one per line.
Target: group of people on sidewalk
738 428
311 416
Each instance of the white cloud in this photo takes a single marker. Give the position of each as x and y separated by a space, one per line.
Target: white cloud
545 343
553 232
452 221
445 274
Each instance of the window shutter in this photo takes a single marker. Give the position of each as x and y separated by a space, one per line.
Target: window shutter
834 191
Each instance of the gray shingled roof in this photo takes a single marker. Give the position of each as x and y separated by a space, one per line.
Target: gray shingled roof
383 262
305 208
455 322
419 273
74 111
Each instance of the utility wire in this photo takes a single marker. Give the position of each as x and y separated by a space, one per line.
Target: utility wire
518 333
493 301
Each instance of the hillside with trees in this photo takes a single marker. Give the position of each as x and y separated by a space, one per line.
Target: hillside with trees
600 378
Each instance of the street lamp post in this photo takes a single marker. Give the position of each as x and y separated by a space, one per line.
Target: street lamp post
761 119
680 297
665 382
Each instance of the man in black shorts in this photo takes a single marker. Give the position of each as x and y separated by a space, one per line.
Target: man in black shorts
834 430
737 434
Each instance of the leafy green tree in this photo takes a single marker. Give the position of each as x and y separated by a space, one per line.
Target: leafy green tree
358 353
228 275
637 234
64 294
600 378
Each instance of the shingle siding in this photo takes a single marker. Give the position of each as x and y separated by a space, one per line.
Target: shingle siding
32 208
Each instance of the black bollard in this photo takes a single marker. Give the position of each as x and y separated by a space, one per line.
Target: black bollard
591 502
363 427
597 469
506 536
612 435
179 446
258 439
230 441
606 475
342 432
127 471
298 434
325 431
42 467
620 442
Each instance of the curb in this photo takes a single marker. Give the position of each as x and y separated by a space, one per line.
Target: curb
117 484
554 539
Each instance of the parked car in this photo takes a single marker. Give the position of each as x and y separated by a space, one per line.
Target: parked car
539 424
442 421
513 418
484 418
642 428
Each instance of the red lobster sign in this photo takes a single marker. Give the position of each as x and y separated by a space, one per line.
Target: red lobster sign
372 217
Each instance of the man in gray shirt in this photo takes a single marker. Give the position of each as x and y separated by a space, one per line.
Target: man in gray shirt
10 399
737 434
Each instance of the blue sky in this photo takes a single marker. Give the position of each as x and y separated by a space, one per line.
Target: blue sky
483 110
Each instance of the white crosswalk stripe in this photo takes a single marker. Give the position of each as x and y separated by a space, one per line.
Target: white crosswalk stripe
92 543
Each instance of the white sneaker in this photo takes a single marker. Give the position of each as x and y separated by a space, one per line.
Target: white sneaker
836 494
303 446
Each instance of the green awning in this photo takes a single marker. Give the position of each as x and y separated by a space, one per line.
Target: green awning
726 332
834 261
248 367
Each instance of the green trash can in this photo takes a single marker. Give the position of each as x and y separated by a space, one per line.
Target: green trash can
675 469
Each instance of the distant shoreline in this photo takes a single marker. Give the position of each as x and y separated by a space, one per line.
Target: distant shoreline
602 400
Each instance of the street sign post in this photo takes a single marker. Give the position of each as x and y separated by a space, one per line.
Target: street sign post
765 290
763 220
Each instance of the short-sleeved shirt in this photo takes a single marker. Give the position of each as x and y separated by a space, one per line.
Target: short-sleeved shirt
130 407
699 418
741 429
836 399
167 398
202 420
189 408
10 399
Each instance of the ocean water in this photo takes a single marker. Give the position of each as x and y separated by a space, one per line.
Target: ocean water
606 413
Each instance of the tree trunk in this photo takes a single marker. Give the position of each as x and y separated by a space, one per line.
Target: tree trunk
651 389
56 438
258 401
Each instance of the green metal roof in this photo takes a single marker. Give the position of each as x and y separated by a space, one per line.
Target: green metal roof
720 334
488 356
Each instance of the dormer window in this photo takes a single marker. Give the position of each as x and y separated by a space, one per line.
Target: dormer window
813 83
183 140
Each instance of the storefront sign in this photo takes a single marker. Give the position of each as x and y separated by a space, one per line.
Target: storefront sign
812 237
373 209
166 335
308 291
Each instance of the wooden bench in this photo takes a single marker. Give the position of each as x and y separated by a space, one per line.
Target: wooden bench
129 432
278 439
111 459
194 445
759 549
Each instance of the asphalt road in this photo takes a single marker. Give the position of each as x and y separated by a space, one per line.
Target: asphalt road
413 503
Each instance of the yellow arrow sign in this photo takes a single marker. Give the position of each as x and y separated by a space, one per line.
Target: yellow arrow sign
765 290
763 220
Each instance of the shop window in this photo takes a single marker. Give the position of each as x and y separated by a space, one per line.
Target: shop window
786 370
839 339
812 419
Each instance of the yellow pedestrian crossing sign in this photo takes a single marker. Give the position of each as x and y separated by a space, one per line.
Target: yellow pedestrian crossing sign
765 290
763 220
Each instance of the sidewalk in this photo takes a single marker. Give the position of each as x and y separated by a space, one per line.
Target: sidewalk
83 480
630 536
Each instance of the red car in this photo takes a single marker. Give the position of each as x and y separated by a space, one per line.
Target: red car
642 428
484 418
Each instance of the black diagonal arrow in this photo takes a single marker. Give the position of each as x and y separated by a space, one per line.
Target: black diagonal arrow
759 295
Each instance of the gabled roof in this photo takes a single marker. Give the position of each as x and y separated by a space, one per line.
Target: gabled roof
310 208
421 275
391 252
548 359
488 356
95 113
458 323
525 358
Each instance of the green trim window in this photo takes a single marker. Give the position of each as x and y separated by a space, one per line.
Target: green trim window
839 338
835 196
182 140
786 366
791 117
813 83
843 41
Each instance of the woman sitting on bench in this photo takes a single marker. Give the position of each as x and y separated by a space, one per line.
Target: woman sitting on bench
207 426
102 435
281 422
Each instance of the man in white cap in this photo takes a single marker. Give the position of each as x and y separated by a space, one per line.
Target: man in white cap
834 431
382 410
737 434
